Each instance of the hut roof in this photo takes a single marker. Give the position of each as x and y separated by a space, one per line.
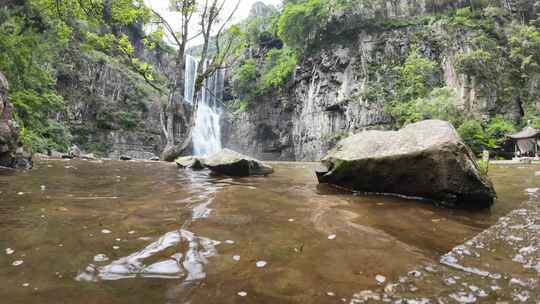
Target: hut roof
526 133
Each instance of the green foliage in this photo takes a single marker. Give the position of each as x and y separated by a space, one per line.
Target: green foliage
439 104
415 75
473 135
300 22
524 42
498 128
483 167
127 120
278 68
245 80
481 138
26 55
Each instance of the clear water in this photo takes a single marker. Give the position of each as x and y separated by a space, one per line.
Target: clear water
141 232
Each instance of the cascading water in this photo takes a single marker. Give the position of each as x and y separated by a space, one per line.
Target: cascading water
207 131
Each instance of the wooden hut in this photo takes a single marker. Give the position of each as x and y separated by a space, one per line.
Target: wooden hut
526 142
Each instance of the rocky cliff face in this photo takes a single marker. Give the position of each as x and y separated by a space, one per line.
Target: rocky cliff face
110 109
8 130
336 91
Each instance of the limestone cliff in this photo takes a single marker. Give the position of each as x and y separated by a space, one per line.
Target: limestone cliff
110 110
345 85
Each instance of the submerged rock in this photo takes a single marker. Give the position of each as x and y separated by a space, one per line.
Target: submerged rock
190 162
425 159
125 157
232 163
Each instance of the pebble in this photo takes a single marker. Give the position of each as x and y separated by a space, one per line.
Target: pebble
43 188
20 193
101 258
116 247
9 251
131 232
380 278
332 237
291 220
261 264
230 242
236 258
25 284
330 294
106 231
17 263
242 293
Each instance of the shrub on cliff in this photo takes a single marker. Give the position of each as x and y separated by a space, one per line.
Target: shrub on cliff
278 68
300 22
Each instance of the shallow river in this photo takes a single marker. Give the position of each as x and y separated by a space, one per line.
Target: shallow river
140 232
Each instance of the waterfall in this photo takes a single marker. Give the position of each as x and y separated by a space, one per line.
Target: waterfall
207 131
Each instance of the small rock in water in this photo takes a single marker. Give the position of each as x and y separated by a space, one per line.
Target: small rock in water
131 232
380 278
291 220
106 231
118 239
101 258
261 264
236 258
43 188
9 251
332 237
116 247
20 193
17 263
230 242
330 294
537 173
242 293
25 284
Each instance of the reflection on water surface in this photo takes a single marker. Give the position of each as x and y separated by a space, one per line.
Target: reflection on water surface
137 232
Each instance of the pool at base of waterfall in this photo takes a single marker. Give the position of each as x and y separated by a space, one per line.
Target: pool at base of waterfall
74 231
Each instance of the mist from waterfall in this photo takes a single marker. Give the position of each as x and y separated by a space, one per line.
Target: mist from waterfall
207 131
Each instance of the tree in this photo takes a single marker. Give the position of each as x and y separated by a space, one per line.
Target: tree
177 124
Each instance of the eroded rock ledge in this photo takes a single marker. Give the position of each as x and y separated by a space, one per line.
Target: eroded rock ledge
499 265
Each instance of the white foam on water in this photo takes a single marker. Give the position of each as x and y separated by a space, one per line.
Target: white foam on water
242 293
106 231
9 251
261 264
17 263
380 278
332 237
236 258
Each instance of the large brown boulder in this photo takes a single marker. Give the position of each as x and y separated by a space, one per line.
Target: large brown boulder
423 160
228 162
9 134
